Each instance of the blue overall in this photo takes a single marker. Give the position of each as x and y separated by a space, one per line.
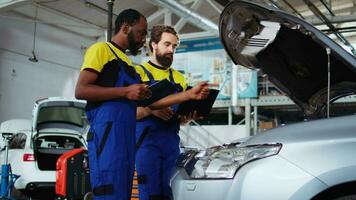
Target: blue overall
158 148
111 142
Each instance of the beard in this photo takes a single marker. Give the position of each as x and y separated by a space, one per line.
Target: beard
165 59
133 46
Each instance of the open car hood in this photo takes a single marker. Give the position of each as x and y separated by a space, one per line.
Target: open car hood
290 51
60 113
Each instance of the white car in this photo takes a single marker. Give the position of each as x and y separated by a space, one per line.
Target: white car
308 160
313 160
58 125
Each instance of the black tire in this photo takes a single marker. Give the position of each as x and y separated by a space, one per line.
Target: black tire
19 195
344 191
88 196
348 197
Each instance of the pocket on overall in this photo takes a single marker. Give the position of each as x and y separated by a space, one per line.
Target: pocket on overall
92 143
101 146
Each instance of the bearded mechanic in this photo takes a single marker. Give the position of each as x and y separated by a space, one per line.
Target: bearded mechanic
157 137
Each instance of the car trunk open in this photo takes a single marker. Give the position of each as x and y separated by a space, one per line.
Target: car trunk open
58 127
48 148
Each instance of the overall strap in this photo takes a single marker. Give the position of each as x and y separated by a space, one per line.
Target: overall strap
171 79
148 73
130 71
171 76
112 50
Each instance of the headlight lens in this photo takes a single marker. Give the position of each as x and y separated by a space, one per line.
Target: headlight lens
223 161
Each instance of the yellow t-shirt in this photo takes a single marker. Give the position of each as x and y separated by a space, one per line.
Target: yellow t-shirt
101 59
98 56
160 74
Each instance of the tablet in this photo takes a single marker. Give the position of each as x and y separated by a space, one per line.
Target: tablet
159 90
202 107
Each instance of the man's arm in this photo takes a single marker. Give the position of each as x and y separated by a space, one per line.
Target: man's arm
164 113
198 92
185 119
86 89
143 112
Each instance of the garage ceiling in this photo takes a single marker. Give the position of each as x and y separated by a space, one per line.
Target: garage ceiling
192 18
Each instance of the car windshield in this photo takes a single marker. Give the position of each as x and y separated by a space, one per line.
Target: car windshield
62 114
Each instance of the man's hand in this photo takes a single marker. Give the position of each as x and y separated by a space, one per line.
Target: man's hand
200 91
165 113
138 92
184 119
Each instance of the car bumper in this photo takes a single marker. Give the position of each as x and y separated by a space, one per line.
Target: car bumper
31 177
269 178
40 186
36 190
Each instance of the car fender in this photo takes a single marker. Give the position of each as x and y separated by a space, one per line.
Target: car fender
273 178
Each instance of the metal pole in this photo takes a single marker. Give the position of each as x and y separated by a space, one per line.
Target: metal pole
255 120
328 51
5 170
327 7
230 115
167 17
327 22
234 85
33 58
106 35
248 115
6 159
293 9
110 4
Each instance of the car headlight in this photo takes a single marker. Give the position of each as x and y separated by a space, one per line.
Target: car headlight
224 161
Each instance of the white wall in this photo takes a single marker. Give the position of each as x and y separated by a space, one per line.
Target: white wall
21 81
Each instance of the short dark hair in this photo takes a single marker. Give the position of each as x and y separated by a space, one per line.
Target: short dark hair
156 33
129 17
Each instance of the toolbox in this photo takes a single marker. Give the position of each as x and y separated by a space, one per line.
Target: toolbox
73 179
72 175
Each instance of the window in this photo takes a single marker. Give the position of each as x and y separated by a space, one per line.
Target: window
18 141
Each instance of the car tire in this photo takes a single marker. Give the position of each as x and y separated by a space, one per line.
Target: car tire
19 195
348 197
88 196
